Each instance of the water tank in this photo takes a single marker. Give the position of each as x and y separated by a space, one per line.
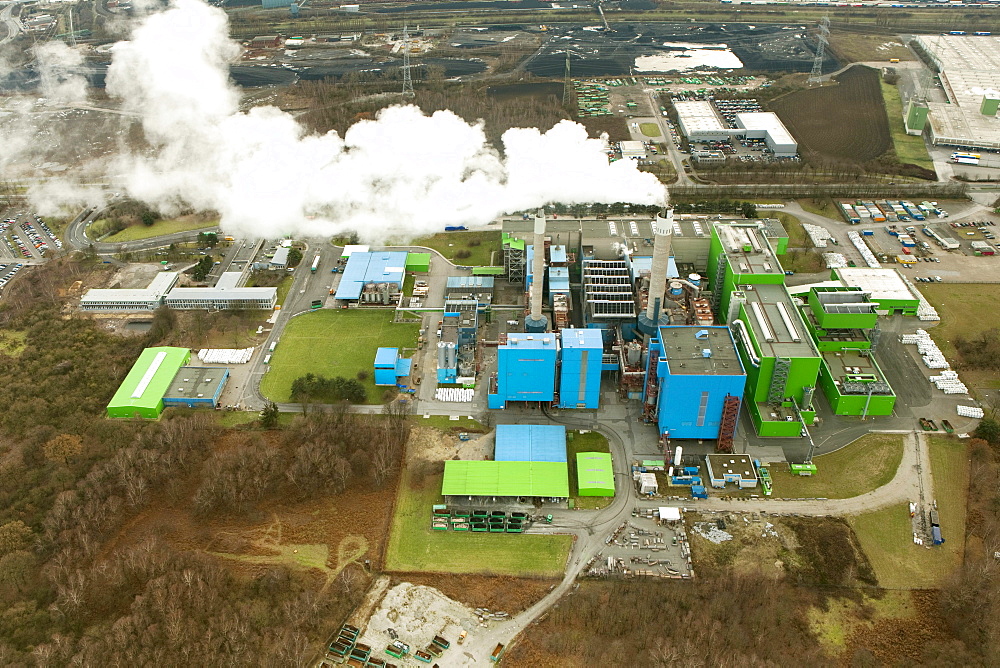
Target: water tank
694 279
452 355
442 355
633 353
676 289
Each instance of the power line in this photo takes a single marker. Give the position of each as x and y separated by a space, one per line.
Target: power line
816 76
407 80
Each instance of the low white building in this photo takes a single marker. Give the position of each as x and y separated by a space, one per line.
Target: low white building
767 126
633 149
700 122
149 298
280 259
226 295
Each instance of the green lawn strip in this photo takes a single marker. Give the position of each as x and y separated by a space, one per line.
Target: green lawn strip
887 536
864 465
332 343
650 129
590 442
797 237
413 546
909 149
445 423
449 244
159 228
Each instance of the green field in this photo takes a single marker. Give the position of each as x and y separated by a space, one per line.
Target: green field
332 343
887 537
445 423
960 306
589 442
159 228
909 149
650 129
414 547
480 246
867 463
797 237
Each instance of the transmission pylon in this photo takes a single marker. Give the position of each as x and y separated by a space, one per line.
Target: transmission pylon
407 80
567 83
816 76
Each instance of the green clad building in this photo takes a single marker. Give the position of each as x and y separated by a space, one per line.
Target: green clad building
740 254
466 479
594 475
842 322
141 393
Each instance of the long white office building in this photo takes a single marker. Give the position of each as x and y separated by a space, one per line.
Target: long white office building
226 295
142 299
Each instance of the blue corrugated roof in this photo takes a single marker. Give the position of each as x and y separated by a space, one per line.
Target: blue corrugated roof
364 268
530 443
645 263
470 282
557 254
386 357
587 339
403 367
558 279
519 340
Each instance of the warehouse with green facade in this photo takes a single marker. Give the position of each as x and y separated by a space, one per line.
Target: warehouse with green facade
843 324
141 393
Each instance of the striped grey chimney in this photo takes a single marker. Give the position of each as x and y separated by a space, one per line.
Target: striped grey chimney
663 227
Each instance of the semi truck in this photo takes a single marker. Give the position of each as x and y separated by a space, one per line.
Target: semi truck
315 264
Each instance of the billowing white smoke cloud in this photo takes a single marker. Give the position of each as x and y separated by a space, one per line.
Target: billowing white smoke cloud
402 174
60 73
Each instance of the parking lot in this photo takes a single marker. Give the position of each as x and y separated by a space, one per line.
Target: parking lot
644 546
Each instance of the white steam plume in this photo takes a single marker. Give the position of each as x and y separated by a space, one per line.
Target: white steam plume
59 70
403 174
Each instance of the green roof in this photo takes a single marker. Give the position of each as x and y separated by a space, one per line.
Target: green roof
488 271
149 379
484 478
594 475
418 261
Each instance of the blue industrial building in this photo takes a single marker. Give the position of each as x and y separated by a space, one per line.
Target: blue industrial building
526 369
695 379
390 367
375 268
196 387
580 368
530 443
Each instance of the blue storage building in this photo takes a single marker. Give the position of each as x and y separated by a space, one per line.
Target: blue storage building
390 367
387 267
526 369
196 387
530 443
580 368
697 370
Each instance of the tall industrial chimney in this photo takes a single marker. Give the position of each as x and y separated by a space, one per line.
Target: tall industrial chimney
536 322
663 227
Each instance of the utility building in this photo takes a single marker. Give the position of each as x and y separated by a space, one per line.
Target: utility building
526 369
390 367
780 359
374 277
843 324
696 381
594 474
580 368
725 468
196 387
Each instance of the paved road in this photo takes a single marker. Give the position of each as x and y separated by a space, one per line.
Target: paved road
11 26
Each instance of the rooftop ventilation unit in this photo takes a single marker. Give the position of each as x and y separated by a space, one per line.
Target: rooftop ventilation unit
765 329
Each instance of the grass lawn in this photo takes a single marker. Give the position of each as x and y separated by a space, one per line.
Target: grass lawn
414 547
332 343
841 618
887 537
821 207
867 463
589 442
449 244
649 129
909 149
960 306
283 287
855 47
445 423
159 228
797 237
